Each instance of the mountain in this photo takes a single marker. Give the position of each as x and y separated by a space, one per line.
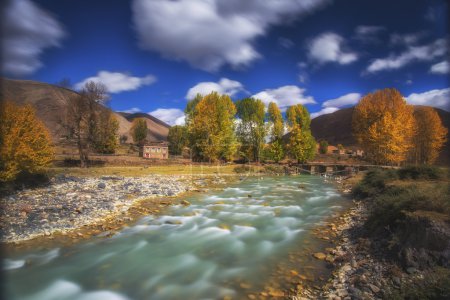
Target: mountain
158 130
336 128
51 103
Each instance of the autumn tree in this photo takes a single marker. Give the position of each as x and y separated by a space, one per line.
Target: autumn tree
25 143
276 125
139 130
251 128
177 139
82 119
323 147
430 136
301 145
105 133
211 128
383 124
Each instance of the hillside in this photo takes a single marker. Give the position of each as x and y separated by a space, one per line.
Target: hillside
51 103
336 128
158 130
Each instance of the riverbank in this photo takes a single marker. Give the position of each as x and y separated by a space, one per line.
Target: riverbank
392 244
70 208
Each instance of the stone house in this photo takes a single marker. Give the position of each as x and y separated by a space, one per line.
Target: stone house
155 150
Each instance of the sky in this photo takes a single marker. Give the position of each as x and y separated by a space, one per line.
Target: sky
155 55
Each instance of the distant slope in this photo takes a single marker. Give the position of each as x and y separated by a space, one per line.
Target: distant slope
336 128
51 103
158 130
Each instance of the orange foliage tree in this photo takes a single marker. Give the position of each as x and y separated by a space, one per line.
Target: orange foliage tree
25 144
384 126
431 135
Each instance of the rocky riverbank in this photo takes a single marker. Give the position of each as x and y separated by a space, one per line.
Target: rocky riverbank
69 203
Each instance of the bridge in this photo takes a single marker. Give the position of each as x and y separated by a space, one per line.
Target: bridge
334 168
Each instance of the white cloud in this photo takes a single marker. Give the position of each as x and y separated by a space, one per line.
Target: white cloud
285 42
211 33
440 68
328 47
408 39
348 99
324 111
117 82
224 86
284 96
132 110
171 116
414 53
368 29
27 30
435 98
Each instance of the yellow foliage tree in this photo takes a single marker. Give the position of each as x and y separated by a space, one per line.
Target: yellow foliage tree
384 126
25 144
430 137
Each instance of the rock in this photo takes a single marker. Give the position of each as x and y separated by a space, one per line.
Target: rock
320 255
245 285
276 293
374 288
355 292
354 263
342 293
185 203
101 185
411 270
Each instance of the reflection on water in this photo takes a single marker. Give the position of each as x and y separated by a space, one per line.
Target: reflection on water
204 251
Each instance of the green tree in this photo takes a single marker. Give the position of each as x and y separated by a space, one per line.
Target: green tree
105 133
25 143
301 145
323 147
211 128
139 130
177 139
251 128
276 125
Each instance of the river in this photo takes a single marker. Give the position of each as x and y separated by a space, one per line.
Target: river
224 245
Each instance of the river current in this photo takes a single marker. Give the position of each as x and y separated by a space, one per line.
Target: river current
223 245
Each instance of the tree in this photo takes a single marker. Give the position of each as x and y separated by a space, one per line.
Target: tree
430 136
177 139
25 143
211 128
105 133
139 130
251 128
81 120
384 126
275 120
323 147
302 145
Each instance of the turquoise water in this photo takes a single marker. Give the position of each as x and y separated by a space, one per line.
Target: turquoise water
202 251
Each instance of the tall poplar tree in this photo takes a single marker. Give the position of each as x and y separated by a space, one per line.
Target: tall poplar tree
384 126
276 125
251 128
302 145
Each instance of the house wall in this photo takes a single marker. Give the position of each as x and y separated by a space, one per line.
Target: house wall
159 152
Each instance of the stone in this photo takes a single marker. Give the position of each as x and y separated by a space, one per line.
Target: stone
320 255
185 203
101 185
411 270
374 288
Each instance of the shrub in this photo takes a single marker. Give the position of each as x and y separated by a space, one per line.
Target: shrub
422 172
374 182
243 169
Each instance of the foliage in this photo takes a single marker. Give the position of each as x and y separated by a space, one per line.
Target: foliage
105 133
383 124
243 169
275 119
301 145
422 172
139 130
340 147
251 129
274 151
323 147
211 128
25 143
430 137
274 169
177 139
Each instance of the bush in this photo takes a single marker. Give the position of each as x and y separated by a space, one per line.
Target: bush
373 183
423 172
243 169
274 169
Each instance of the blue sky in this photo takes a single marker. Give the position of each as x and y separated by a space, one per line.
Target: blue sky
154 54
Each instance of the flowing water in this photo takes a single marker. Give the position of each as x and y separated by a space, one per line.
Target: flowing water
202 251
